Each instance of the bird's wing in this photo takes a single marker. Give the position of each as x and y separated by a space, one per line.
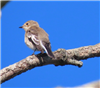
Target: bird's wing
33 35
41 45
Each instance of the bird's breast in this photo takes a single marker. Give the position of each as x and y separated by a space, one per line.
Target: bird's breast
29 44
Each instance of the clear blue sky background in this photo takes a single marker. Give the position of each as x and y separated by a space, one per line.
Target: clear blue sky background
70 24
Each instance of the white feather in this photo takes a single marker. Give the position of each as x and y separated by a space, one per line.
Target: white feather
29 36
33 39
43 46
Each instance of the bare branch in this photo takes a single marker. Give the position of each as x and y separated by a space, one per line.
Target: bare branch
63 57
3 3
95 84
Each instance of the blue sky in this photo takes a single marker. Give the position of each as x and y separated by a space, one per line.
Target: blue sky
70 24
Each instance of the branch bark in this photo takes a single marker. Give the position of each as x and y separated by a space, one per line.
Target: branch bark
95 84
63 57
3 3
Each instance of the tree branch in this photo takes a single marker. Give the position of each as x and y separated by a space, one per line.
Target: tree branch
63 57
95 84
3 3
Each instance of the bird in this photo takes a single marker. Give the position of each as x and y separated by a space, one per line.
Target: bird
36 38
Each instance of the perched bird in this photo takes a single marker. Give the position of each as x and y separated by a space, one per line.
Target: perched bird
36 38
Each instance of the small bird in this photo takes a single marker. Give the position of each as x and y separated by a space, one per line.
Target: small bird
36 38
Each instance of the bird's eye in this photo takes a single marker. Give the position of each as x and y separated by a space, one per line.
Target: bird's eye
26 23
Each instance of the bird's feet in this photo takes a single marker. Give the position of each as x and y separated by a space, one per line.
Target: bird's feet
40 54
32 54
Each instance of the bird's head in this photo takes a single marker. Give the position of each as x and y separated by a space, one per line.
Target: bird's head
29 24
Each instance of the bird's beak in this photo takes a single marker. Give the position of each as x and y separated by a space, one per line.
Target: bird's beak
21 27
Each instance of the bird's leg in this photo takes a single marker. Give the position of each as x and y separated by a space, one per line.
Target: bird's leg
34 52
41 53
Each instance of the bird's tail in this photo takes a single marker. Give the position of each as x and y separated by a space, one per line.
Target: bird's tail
49 52
47 48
